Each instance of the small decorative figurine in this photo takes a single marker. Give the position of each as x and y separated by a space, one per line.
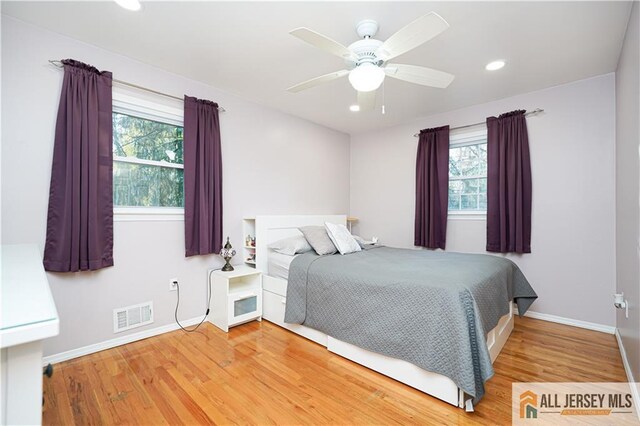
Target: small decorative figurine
227 253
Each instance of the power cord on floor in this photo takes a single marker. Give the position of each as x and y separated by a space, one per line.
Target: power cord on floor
206 314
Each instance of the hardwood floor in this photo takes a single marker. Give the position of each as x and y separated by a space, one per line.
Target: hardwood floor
259 373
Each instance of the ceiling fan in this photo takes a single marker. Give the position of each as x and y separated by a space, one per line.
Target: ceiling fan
366 59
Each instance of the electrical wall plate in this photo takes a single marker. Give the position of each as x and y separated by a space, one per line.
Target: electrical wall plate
173 284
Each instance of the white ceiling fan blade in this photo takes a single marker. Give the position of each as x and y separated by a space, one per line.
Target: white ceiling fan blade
412 35
367 100
317 81
321 42
419 75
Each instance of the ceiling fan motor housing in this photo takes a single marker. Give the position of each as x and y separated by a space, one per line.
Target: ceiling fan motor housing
367 28
365 51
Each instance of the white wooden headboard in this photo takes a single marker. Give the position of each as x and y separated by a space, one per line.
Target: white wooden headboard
273 228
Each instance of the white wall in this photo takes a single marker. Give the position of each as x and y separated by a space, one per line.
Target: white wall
628 188
273 164
572 263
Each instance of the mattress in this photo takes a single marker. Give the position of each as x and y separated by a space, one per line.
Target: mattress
432 309
278 264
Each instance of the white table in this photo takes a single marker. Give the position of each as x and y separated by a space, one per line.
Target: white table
28 316
236 296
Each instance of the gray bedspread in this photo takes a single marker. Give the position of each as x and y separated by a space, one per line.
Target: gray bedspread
432 309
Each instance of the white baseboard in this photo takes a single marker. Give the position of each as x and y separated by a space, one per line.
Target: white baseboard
573 322
118 341
635 391
112 343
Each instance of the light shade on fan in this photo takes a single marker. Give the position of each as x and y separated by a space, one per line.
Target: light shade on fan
366 77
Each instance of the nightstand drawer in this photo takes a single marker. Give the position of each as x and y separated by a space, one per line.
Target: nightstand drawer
244 306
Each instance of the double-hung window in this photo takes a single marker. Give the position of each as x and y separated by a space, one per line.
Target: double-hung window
148 165
468 172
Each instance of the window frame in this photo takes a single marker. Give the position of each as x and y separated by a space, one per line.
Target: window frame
139 106
459 139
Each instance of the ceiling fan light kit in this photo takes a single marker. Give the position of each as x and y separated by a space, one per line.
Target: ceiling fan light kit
366 59
366 77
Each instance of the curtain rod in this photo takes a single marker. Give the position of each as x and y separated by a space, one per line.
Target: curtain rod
58 64
528 113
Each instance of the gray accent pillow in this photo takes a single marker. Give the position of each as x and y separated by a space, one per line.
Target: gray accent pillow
291 245
318 239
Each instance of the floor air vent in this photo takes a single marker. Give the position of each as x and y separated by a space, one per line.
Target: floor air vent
132 316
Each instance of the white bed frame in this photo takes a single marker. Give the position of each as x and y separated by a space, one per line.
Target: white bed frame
274 228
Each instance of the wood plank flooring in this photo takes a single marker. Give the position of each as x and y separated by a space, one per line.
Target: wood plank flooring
259 373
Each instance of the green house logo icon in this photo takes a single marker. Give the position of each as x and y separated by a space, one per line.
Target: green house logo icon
528 405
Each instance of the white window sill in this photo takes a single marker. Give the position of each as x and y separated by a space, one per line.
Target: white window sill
147 214
466 215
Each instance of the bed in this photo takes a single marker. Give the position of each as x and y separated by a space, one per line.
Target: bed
351 305
279 264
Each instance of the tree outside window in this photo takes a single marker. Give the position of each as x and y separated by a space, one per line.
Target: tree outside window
148 163
468 177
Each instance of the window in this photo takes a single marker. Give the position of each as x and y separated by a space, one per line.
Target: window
468 173
148 164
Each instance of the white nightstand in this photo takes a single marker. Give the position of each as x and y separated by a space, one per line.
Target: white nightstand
236 296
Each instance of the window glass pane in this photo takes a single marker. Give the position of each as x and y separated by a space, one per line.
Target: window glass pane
146 139
469 202
482 167
139 185
483 202
483 185
467 177
454 201
471 186
470 164
454 159
456 186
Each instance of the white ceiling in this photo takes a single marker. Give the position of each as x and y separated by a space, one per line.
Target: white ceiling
244 48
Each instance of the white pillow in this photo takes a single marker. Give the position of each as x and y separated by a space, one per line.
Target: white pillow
342 238
291 245
359 240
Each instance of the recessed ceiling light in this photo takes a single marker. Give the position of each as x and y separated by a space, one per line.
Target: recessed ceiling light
495 65
354 108
129 4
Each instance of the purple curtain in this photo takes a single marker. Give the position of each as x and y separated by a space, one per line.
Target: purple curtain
80 215
432 188
202 177
508 184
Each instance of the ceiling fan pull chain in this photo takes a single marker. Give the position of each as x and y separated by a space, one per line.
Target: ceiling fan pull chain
383 111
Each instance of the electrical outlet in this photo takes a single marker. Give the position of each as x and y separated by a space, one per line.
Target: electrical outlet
173 284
